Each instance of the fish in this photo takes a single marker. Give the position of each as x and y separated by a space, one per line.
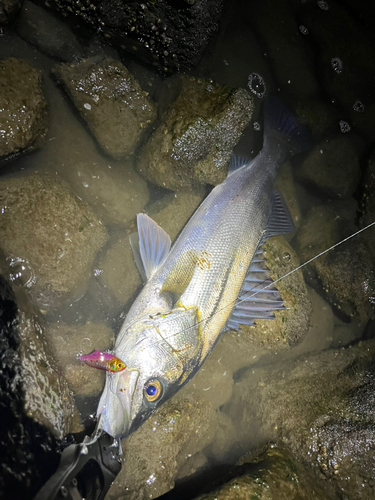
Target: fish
212 279
103 361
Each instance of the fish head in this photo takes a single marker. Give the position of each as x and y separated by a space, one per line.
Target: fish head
160 352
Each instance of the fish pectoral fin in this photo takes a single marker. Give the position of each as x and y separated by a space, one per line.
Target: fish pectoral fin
280 221
152 247
259 297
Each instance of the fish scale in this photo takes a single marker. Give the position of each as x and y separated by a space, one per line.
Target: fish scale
192 289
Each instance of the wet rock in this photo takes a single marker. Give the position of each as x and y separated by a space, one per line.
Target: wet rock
110 100
118 271
28 450
48 34
367 201
154 454
115 191
285 46
318 115
331 168
49 236
290 325
321 408
69 341
225 441
273 475
191 465
194 142
164 34
343 275
8 10
178 211
23 108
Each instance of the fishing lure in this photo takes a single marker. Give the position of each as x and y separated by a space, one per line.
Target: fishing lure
103 361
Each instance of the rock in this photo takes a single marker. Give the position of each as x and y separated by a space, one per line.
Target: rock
67 342
367 201
166 35
154 454
320 407
110 100
286 186
178 211
115 191
318 115
285 47
291 324
23 108
48 34
49 236
29 451
273 475
331 168
194 142
118 271
191 465
225 441
8 10
343 274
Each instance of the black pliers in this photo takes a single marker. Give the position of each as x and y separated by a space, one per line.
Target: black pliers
86 470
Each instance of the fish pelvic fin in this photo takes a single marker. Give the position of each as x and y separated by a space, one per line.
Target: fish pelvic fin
284 137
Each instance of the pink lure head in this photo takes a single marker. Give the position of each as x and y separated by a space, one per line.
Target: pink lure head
103 361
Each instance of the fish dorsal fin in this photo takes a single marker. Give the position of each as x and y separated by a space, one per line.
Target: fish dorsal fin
258 298
154 245
280 221
237 162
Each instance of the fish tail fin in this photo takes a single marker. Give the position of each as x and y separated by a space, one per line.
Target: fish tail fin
284 137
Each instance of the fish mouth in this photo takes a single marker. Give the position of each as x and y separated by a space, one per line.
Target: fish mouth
117 413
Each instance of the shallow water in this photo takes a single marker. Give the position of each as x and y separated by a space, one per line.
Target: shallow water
242 49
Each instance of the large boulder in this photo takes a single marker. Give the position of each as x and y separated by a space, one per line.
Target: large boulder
194 142
110 100
23 108
50 238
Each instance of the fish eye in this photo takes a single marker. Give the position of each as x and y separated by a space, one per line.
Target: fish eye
152 390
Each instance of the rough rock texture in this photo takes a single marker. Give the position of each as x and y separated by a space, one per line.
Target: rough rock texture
321 407
167 34
8 10
273 475
28 450
331 168
69 341
110 100
290 325
23 108
154 454
195 140
344 275
50 238
45 32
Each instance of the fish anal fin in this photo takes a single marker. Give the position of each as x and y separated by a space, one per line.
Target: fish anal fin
259 297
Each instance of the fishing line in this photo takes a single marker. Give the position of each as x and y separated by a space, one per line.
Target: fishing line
247 297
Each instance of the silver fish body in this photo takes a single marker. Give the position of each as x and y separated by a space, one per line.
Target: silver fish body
192 289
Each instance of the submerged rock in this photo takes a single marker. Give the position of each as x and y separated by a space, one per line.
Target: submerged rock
320 407
273 475
23 108
344 275
194 142
110 100
47 33
50 238
331 168
8 10
69 341
154 454
291 324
